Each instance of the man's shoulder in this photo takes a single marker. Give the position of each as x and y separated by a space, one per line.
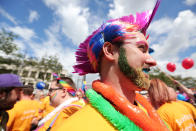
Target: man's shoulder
28 103
81 103
167 107
86 115
187 105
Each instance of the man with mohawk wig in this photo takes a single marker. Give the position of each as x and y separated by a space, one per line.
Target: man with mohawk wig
118 51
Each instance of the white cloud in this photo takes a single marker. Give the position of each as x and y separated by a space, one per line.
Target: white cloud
33 15
174 36
190 2
179 35
53 46
161 26
125 7
25 36
72 17
8 16
20 44
24 32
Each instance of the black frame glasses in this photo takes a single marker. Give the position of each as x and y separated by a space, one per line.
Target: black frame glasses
54 89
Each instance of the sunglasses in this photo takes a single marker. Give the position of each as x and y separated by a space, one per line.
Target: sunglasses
54 89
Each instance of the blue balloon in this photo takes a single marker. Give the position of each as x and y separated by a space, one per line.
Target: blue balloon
181 97
40 85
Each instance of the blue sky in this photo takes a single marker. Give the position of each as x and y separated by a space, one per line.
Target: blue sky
56 27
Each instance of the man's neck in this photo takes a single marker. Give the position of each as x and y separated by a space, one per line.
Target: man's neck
120 85
24 97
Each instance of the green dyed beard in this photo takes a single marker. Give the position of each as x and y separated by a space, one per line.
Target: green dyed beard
135 75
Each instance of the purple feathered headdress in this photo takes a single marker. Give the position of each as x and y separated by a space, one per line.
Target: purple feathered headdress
87 55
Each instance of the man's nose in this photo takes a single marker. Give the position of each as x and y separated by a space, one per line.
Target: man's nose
150 61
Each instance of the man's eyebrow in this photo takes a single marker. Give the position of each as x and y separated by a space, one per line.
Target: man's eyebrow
130 35
142 42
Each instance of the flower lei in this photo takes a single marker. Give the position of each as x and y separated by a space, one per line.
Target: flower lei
118 120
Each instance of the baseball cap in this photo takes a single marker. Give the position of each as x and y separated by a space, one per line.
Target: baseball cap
10 80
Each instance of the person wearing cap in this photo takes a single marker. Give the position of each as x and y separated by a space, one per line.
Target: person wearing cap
10 86
118 51
21 115
60 93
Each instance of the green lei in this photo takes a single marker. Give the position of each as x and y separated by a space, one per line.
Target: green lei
118 120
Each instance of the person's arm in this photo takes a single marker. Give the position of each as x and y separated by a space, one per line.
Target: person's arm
34 123
189 92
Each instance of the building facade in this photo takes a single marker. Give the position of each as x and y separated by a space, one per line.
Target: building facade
31 75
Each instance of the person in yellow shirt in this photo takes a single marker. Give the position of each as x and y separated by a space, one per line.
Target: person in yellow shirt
10 86
59 94
21 115
45 109
178 115
45 106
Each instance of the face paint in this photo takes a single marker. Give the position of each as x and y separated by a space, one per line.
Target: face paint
135 75
53 96
142 43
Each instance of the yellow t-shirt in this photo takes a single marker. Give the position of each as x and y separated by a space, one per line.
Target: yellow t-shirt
86 119
45 107
61 116
178 115
21 115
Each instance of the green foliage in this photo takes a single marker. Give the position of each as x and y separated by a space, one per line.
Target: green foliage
8 46
9 61
51 63
188 81
6 42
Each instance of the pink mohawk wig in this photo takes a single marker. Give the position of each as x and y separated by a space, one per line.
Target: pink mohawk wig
88 53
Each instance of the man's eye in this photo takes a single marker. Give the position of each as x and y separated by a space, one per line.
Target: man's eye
142 48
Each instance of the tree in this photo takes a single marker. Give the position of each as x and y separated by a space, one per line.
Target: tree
51 63
6 42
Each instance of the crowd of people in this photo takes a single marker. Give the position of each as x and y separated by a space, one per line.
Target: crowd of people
119 52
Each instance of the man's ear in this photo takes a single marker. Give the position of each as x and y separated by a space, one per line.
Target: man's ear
2 95
109 51
64 92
